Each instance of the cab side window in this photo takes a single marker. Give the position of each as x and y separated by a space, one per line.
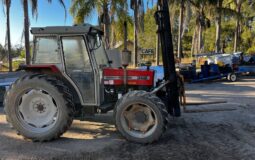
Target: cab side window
46 51
75 54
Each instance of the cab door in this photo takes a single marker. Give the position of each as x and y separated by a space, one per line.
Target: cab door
78 67
100 61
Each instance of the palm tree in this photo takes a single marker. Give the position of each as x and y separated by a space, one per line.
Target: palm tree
138 7
180 54
174 4
107 9
34 5
118 12
214 10
135 7
187 9
238 4
184 12
218 25
7 4
117 33
219 10
81 9
202 22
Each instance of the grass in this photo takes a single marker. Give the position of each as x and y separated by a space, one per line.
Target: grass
5 66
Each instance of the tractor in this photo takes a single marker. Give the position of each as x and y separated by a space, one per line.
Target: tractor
70 77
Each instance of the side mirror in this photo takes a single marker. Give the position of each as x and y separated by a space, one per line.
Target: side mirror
110 61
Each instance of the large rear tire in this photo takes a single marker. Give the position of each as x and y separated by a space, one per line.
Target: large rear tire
141 117
39 107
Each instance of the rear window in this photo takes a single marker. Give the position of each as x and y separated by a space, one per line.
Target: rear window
46 50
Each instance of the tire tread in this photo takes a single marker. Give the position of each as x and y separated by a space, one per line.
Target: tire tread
61 88
152 98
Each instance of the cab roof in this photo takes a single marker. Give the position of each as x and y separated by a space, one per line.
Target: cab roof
76 29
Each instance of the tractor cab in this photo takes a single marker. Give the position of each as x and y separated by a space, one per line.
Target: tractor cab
79 54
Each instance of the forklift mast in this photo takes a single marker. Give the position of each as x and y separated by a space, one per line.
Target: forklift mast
162 18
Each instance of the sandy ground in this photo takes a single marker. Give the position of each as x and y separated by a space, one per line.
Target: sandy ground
218 131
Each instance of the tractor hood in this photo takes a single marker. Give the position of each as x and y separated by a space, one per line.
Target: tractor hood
136 77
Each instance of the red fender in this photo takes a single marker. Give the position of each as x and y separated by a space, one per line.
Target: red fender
50 67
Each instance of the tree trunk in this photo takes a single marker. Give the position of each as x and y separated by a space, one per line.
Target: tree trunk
237 31
113 37
157 49
106 25
194 39
172 17
26 31
218 27
113 33
200 38
180 54
135 58
223 47
8 5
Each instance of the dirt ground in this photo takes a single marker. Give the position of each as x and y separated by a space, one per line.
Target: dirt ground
216 131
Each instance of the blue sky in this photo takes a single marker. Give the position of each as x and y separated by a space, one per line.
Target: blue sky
49 15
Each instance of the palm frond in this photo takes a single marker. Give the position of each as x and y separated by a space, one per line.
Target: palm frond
81 9
3 3
34 7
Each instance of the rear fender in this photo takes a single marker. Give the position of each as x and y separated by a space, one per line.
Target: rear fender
56 72
40 68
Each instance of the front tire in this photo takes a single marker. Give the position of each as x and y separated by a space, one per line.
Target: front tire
232 77
141 117
39 107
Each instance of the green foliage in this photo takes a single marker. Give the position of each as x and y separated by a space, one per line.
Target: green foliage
209 36
82 9
209 9
197 13
147 39
119 30
3 53
16 51
23 54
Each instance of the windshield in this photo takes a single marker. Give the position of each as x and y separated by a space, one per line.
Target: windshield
97 49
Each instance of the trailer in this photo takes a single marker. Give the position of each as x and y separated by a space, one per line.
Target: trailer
213 72
247 69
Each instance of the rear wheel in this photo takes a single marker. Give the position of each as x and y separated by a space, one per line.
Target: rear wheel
39 107
141 117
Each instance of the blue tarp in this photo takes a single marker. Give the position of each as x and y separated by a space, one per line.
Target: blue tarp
244 69
159 71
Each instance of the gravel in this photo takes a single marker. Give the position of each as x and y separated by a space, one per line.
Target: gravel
215 131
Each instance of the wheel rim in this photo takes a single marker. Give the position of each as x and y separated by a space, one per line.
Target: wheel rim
37 111
233 77
139 120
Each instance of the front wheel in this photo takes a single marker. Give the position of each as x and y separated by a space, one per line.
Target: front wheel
232 77
141 117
